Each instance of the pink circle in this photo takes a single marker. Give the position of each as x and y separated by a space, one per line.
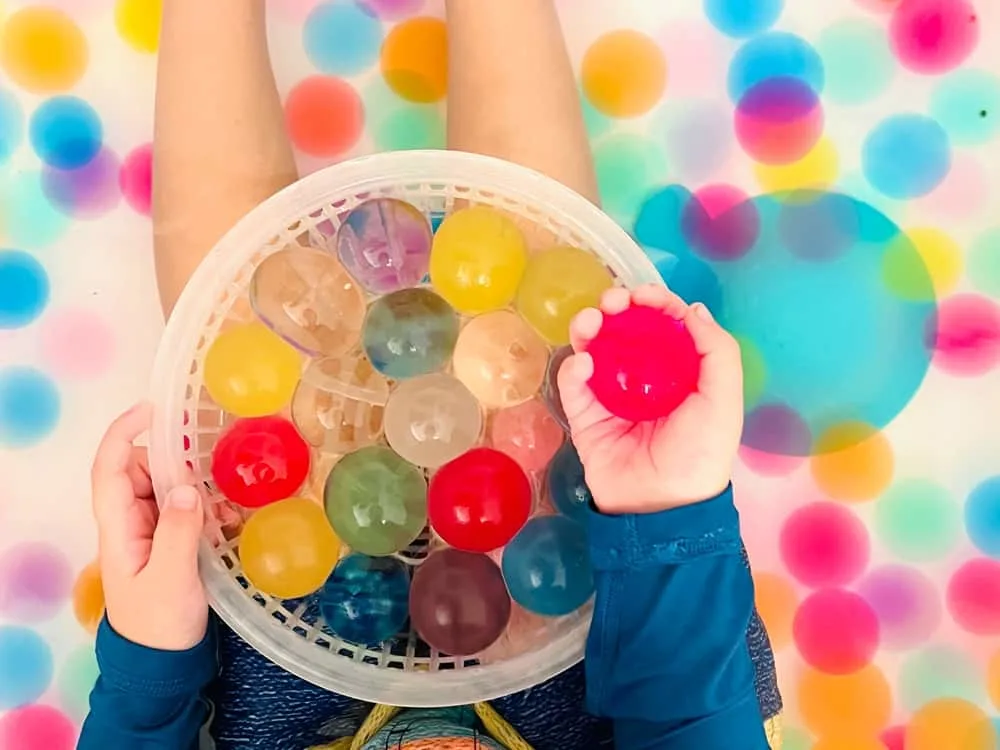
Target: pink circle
963 194
906 604
779 120
823 544
36 727
36 580
391 10
698 57
136 179
76 344
965 335
528 433
974 597
87 192
933 36
836 631
769 464
720 222
894 738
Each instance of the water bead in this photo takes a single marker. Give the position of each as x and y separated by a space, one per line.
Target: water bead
558 283
547 566
376 501
528 433
307 298
645 364
550 385
432 419
340 403
477 260
366 599
410 332
567 484
287 549
385 244
500 359
260 460
250 371
458 602
478 501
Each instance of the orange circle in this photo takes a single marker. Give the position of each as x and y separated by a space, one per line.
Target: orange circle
42 50
950 724
624 73
849 743
853 462
324 116
993 679
852 705
88 598
414 59
776 603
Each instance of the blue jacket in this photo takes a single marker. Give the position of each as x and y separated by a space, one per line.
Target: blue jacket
667 657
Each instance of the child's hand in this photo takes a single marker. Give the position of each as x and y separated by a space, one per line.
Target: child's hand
149 557
646 467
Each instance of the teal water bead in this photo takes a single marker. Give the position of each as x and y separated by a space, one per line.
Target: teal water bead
567 485
547 566
376 501
366 600
409 333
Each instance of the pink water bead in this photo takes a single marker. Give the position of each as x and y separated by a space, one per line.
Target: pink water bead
645 364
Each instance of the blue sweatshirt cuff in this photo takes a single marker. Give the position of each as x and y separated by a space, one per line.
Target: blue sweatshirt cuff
670 537
137 670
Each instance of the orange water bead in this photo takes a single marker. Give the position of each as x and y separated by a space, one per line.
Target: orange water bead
88 598
851 705
43 50
950 724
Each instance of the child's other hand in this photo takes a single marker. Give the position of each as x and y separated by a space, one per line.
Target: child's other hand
645 467
148 557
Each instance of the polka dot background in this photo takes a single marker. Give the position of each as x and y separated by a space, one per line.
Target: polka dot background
818 174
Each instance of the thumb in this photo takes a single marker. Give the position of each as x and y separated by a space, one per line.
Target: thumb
721 377
178 531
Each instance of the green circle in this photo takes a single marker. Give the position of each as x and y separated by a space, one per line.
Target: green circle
939 672
596 122
793 738
628 167
754 372
376 501
76 679
983 264
917 521
410 127
967 104
857 61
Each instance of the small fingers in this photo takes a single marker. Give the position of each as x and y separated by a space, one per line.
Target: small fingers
115 450
584 327
138 472
657 295
721 377
615 300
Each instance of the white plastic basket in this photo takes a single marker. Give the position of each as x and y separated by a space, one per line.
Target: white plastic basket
187 423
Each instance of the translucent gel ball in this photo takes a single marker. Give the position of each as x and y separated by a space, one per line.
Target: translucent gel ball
307 298
411 332
367 599
645 364
385 243
550 386
567 485
500 359
479 501
458 602
547 566
288 549
432 419
250 372
339 404
376 501
558 283
260 460
527 433
477 260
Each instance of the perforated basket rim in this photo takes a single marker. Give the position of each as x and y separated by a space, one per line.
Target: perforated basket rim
199 301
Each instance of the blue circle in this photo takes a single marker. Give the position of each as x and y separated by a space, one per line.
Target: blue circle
567 485
11 125
341 38
66 132
775 54
24 288
29 407
547 566
739 18
366 599
982 517
25 667
906 156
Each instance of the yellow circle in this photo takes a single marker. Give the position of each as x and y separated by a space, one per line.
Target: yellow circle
817 170
852 461
852 705
624 73
477 260
250 372
414 59
558 283
138 23
42 50
942 261
950 724
776 603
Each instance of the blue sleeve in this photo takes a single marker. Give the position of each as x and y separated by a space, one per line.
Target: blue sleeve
667 656
148 698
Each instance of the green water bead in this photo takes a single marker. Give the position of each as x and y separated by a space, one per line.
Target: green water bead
857 61
76 680
628 168
966 103
984 262
917 521
940 672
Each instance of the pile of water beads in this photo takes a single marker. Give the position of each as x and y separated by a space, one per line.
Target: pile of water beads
419 359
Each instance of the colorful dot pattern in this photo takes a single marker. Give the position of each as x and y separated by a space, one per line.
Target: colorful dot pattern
817 174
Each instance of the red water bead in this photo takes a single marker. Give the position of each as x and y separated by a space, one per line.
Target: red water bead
260 460
479 501
645 364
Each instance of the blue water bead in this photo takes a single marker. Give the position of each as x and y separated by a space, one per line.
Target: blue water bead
567 486
409 333
547 566
366 599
